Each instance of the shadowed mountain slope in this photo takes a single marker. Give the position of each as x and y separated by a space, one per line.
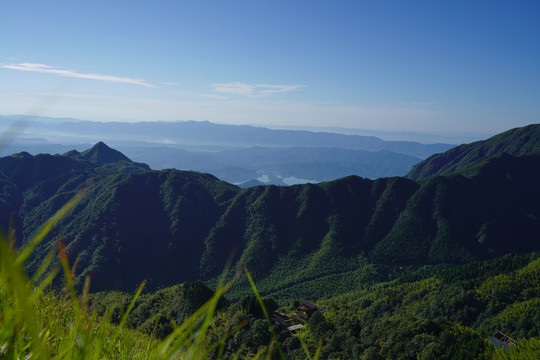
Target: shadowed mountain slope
171 226
518 141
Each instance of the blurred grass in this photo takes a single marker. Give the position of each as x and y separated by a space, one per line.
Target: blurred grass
39 323
43 324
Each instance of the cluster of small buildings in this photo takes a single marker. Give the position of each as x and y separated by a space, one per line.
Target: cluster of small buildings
298 319
501 340
306 308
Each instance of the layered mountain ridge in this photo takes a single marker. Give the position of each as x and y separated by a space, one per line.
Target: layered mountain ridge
171 226
236 154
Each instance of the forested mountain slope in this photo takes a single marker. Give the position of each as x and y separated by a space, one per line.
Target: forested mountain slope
518 142
409 317
438 313
171 226
293 235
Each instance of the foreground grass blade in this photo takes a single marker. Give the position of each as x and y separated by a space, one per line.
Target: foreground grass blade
179 339
261 303
20 314
18 289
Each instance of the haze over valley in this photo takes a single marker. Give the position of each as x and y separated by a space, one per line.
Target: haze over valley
237 154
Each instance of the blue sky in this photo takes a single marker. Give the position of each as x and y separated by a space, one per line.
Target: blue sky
435 66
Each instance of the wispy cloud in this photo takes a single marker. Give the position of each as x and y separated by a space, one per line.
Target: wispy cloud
169 83
212 96
257 90
72 95
46 69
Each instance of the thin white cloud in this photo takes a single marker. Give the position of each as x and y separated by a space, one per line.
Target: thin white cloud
46 69
212 96
72 95
271 89
257 90
169 83
235 88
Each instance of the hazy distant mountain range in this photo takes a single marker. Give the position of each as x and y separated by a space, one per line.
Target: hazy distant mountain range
233 153
170 226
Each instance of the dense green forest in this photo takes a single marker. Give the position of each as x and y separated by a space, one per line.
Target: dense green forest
173 226
518 142
405 269
441 313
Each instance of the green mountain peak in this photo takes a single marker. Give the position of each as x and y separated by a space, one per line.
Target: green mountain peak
517 142
101 154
